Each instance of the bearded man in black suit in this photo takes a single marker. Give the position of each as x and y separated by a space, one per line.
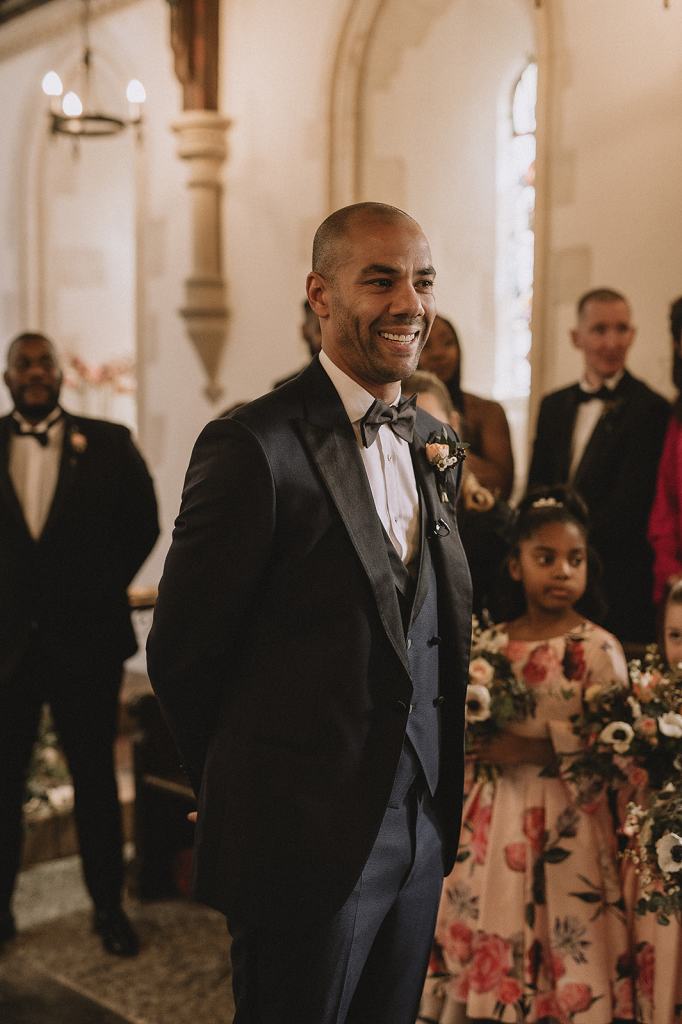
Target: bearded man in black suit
77 520
310 650
604 436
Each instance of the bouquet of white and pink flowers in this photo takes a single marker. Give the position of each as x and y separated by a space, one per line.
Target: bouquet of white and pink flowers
495 697
632 735
656 850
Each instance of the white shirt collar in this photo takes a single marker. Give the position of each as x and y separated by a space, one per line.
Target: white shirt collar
43 425
356 400
609 382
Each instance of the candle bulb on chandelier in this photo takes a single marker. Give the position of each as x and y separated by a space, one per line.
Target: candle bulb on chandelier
136 95
52 87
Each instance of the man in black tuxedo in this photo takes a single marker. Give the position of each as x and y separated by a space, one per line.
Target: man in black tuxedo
604 436
77 520
310 651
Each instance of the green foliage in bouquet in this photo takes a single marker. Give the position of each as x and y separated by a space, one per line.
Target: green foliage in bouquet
495 697
656 851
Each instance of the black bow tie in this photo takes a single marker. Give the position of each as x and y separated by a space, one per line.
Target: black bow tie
41 436
603 394
400 418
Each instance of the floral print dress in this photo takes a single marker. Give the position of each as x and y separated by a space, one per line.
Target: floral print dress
531 925
656 959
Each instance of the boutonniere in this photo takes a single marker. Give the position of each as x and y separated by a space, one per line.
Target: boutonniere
78 441
443 454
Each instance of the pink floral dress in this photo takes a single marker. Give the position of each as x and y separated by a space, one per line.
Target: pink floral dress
531 925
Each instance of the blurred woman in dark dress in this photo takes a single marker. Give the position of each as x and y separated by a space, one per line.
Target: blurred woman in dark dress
483 423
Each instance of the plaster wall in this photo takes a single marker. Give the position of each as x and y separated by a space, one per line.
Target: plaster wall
614 176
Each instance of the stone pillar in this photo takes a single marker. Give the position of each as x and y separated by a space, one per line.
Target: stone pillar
202 142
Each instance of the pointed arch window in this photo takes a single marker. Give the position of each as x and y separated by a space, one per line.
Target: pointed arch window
516 192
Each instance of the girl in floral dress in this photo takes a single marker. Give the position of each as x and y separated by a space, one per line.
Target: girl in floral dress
657 948
531 924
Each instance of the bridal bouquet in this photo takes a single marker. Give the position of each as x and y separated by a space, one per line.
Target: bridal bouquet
632 735
495 697
656 851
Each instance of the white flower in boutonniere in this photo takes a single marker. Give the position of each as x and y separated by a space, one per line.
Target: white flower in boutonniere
78 441
443 454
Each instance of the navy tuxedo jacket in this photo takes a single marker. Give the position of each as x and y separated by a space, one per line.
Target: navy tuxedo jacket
279 656
68 587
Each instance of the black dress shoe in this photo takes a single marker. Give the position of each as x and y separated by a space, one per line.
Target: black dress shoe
8 929
116 932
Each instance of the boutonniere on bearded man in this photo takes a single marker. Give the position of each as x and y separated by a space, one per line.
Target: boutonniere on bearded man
78 441
444 454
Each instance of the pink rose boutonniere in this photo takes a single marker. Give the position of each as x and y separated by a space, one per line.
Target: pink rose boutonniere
78 441
444 454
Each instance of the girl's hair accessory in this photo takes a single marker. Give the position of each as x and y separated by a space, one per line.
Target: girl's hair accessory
547 503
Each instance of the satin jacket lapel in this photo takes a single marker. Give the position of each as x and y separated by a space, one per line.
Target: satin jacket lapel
564 434
7 492
68 465
330 439
451 565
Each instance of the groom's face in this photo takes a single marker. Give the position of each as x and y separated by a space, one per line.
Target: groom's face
380 301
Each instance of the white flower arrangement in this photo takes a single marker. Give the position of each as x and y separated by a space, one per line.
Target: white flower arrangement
670 724
669 853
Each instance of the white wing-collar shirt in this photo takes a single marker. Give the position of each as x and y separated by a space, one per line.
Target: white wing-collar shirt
34 468
587 418
388 465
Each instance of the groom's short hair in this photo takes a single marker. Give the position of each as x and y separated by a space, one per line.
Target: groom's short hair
329 237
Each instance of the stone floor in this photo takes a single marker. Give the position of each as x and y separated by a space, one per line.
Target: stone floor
56 971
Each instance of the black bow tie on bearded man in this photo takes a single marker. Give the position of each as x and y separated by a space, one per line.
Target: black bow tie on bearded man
400 418
41 436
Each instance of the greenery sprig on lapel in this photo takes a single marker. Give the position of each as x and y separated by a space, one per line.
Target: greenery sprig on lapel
444 454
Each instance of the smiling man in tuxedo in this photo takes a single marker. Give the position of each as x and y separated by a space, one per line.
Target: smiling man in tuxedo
77 520
604 436
310 650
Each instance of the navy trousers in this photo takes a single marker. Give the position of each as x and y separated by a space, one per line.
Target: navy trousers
367 964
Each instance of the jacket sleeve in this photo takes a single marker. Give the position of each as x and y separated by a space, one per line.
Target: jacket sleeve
220 548
664 521
540 471
136 516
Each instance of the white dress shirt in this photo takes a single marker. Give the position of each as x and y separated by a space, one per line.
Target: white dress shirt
586 419
387 463
34 469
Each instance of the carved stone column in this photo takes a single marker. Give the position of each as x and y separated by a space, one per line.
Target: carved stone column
202 142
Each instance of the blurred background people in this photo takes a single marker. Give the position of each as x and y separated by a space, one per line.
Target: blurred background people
78 518
483 423
604 436
665 524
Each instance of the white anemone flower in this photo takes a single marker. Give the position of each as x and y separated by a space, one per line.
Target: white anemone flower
477 703
618 735
670 724
669 852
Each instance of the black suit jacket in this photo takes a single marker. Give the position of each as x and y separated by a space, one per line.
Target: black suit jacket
279 656
616 478
68 588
